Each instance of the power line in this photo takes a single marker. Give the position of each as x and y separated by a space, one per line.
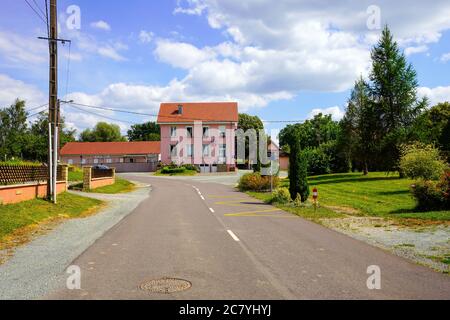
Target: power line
100 115
36 12
35 108
46 18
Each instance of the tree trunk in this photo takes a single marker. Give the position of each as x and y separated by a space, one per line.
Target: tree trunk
366 169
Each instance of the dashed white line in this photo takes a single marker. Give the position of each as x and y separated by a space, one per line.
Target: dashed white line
203 198
235 238
212 210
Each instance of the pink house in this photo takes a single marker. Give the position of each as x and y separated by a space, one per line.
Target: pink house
202 134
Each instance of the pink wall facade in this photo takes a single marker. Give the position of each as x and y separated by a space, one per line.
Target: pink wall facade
192 149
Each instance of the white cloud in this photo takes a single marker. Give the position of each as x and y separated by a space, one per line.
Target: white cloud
146 36
11 89
445 57
191 7
413 50
435 95
336 112
19 49
88 44
180 54
101 25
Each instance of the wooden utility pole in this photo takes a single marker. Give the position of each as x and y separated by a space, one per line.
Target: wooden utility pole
53 99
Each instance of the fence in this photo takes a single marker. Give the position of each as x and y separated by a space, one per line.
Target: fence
17 174
96 178
21 182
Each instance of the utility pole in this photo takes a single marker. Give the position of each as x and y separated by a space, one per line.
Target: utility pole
53 111
53 99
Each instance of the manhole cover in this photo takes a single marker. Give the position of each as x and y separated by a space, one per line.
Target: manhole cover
165 285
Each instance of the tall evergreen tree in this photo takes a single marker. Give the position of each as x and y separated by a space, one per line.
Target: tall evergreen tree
362 126
394 92
298 170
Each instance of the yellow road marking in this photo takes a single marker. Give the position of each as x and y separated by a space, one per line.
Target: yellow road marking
251 212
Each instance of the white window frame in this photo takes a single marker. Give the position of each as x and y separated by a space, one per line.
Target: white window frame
207 132
95 160
108 160
172 150
206 147
83 161
222 131
191 135
190 151
173 131
223 151
70 162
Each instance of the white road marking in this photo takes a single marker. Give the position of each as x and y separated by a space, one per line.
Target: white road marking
235 238
212 210
203 198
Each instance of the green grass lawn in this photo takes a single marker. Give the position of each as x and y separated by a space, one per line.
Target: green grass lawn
30 213
377 194
76 175
185 173
120 186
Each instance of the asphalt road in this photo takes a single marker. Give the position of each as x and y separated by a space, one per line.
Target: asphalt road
230 246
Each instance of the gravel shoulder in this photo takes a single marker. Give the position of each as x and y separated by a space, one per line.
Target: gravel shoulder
38 267
427 245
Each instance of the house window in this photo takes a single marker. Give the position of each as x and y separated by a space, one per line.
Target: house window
121 160
222 131
190 150
70 161
205 132
131 160
223 151
173 132
95 161
108 160
173 150
83 161
189 132
206 151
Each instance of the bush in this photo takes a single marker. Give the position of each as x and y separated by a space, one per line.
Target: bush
192 167
419 161
170 170
431 195
256 182
318 161
281 196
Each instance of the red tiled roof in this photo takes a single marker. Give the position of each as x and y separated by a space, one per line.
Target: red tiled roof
111 148
204 111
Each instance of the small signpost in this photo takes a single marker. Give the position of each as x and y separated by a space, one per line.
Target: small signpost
315 197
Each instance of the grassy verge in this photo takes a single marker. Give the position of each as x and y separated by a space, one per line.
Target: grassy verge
120 186
184 173
19 221
378 194
307 211
76 175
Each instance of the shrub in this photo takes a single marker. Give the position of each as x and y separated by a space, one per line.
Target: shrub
256 182
431 195
192 167
281 196
170 170
419 161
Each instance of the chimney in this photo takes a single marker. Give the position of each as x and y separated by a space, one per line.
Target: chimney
180 109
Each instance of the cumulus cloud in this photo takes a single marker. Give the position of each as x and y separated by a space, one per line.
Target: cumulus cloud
101 25
18 49
180 54
445 57
146 36
336 112
413 50
435 95
11 89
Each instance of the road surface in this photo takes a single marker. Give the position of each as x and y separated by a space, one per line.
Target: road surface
231 246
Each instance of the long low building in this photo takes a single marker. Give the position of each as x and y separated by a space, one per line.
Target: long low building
124 156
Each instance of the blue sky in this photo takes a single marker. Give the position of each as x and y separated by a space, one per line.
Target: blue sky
283 60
